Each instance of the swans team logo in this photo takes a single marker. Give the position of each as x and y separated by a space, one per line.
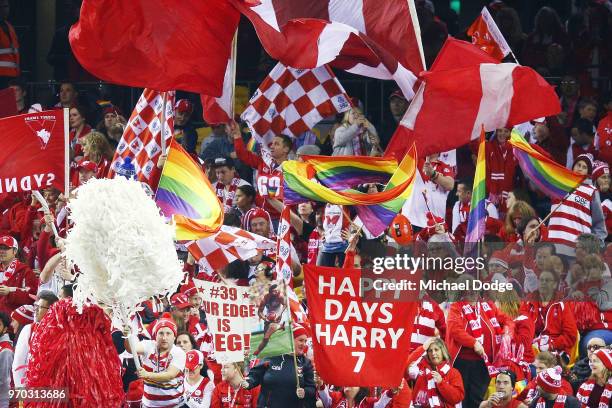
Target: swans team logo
42 126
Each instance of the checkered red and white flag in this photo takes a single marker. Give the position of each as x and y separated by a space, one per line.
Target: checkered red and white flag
141 140
283 246
291 101
227 245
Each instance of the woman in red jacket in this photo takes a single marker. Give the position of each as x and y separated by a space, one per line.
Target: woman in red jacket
555 326
437 383
474 333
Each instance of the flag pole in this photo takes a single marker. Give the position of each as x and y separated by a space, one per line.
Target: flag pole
47 210
297 377
66 153
234 56
554 210
162 142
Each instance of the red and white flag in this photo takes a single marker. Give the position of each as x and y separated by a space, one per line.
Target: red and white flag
283 246
227 245
291 101
486 35
218 110
496 95
368 37
34 153
141 140
298 313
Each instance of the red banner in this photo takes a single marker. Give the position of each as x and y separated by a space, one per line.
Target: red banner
34 151
369 340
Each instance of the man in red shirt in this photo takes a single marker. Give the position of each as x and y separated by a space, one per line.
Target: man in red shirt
604 130
502 397
501 168
269 176
18 284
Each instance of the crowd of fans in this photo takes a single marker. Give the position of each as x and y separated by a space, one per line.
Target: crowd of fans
544 343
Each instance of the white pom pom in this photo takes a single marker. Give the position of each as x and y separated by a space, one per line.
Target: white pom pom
121 244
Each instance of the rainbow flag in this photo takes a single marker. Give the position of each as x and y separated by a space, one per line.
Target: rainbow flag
333 179
550 177
185 195
252 145
478 209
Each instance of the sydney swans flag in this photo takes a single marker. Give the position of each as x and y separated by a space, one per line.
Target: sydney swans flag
364 338
230 317
34 151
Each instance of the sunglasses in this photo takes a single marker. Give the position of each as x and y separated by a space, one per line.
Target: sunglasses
594 347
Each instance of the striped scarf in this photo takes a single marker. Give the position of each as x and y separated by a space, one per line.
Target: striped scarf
559 402
424 325
584 392
432 391
227 198
474 328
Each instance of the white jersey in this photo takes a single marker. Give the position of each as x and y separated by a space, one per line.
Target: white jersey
166 394
199 394
22 353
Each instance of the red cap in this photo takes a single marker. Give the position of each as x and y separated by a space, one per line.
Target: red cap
194 359
599 169
499 258
550 380
253 213
111 109
23 314
605 355
180 301
9 241
183 105
397 94
165 321
88 165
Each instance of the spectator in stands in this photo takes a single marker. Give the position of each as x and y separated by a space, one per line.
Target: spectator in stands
604 130
186 341
473 331
21 95
279 388
181 310
244 199
229 393
6 358
112 116
581 370
9 59
502 397
78 129
583 137
548 30
587 109
597 390
519 211
217 144
570 94
555 325
97 150
162 365
509 24
556 146
198 387
18 284
544 360
228 181
398 104
44 301
184 131
356 136
430 364
21 317
549 387
351 397
68 96
501 168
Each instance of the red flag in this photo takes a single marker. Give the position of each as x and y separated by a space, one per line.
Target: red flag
34 151
366 338
219 110
371 38
496 95
486 35
141 140
157 44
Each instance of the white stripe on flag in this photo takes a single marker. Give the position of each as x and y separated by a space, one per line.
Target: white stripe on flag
347 12
333 36
267 13
498 37
497 93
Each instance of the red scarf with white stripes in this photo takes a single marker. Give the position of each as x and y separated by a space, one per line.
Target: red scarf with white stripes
432 391
9 271
559 402
474 328
227 198
424 324
584 392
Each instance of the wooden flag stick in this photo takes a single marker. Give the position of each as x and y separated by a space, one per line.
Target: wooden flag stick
162 141
234 57
45 206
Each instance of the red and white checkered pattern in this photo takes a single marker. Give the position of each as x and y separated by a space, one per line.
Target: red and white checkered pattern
227 245
283 247
298 314
291 101
141 138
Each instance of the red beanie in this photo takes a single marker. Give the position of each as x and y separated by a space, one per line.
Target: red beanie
253 213
599 169
165 321
299 330
23 314
550 380
605 355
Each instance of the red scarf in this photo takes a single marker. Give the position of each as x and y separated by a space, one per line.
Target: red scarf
474 328
227 199
584 392
559 402
432 391
9 271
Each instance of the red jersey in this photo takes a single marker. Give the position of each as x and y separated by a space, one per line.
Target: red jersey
604 130
269 180
224 396
501 169
314 242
